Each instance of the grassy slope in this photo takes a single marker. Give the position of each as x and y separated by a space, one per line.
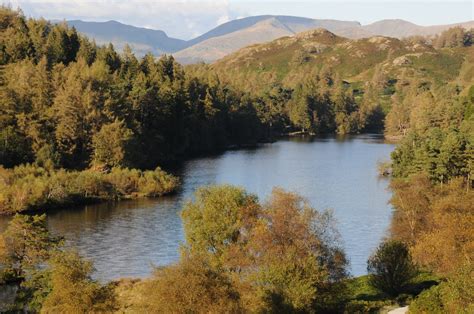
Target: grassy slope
363 297
255 67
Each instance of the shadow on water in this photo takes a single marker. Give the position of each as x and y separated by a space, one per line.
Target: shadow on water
125 238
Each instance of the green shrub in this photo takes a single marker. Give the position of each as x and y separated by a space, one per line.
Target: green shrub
361 306
429 301
455 295
156 183
91 184
391 267
71 288
29 187
126 181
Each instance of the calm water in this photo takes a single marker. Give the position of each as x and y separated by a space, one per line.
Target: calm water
125 239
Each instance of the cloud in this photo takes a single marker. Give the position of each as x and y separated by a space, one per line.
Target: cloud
178 18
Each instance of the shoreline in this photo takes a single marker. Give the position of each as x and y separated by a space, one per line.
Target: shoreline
45 190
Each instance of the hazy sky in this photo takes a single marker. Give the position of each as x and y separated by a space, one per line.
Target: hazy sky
188 18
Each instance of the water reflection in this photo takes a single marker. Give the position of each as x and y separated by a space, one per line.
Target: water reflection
124 239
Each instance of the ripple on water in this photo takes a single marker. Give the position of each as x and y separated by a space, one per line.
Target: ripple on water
125 239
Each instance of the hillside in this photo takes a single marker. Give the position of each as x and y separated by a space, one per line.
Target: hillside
218 47
370 83
400 28
241 33
233 35
237 34
288 60
293 23
142 40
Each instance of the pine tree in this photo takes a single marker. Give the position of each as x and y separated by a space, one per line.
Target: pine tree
69 114
16 43
299 109
109 145
27 244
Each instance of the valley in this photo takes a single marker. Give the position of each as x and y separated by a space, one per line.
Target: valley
307 166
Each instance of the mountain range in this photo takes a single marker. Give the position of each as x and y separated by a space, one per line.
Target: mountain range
142 40
233 35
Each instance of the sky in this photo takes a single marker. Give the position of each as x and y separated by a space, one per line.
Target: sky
186 19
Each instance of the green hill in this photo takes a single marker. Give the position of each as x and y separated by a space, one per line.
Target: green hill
379 74
289 60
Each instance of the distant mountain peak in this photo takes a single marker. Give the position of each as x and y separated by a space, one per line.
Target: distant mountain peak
142 40
233 35
273 22
394 20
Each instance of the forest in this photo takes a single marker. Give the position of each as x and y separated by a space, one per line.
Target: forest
82 123
68 103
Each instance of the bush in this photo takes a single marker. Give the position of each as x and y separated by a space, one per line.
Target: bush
391 267
71 288
362 306
157 183
455 295
29 187
191 286
24 246
429 301
126 181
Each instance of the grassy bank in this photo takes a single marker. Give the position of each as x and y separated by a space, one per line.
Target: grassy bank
31 188
364 298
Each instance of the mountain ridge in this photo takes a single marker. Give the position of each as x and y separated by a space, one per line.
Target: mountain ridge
142 40
265 28
236 34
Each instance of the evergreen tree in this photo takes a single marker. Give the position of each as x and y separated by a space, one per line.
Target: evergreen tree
299 109
27 244
109 145
69 113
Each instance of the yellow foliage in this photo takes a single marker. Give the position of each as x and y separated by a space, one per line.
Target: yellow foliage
191 286
437 220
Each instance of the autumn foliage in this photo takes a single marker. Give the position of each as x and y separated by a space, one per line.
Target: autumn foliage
244 256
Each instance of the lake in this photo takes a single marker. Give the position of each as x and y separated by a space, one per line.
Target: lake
125 239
